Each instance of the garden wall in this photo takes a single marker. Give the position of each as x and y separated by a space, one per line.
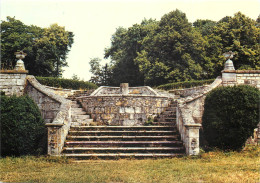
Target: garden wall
12 82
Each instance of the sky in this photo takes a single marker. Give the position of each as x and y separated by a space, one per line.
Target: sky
94 22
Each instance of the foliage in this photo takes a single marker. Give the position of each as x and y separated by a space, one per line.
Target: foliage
102 75
66 83
46 48
230 116
22 127
239 34
185 84
174 50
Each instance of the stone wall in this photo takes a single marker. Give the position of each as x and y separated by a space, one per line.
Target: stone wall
48 106
56 111
12 82
251 78
189 117
188 91
127 110
238 77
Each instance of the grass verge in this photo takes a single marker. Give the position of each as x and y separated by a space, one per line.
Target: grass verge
208 167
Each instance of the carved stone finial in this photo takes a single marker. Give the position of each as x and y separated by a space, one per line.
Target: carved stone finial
19 64
229 55
229 64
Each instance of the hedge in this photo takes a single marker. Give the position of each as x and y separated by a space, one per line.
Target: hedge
66 83
185 84
22 127
230 116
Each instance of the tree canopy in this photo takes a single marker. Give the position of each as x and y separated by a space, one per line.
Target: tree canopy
173 49
46 48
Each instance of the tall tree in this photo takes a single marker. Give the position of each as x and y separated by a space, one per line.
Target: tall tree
174 51
239 34
125 45
46 48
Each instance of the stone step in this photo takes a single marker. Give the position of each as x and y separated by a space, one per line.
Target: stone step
79 112
165 123
121 155
167 116
81 150
80 116
136 133
170 112
120 128
172 143
86 122
167 119
123 138
122 148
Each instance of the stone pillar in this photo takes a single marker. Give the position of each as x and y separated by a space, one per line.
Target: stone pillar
124 88
54 138
192 139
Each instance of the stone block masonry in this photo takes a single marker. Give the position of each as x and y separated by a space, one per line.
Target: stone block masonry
49 107
241 77
127 110
12 82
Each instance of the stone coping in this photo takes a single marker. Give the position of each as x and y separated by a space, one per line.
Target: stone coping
65 104
193 125
119 95
210 87
14 71
242 71
95 93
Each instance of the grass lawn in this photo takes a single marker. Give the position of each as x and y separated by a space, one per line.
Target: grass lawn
208 167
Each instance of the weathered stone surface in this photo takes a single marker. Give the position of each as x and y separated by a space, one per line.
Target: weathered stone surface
12 83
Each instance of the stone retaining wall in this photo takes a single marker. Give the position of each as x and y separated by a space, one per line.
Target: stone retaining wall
12 82
127 110
244 77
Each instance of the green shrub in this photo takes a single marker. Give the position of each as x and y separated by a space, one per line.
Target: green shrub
22 127
66 83
185 84
230 116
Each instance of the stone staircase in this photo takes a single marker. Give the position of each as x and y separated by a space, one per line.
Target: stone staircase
160 139
79 116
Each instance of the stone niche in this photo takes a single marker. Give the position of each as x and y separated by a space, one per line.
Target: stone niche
126 106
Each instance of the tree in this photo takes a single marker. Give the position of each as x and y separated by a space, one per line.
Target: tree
46 48
101 74
239 34
174 51
125 45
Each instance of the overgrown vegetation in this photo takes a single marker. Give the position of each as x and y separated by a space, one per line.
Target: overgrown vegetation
231 114
208 167
174 50
185 84
66 83
22 128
